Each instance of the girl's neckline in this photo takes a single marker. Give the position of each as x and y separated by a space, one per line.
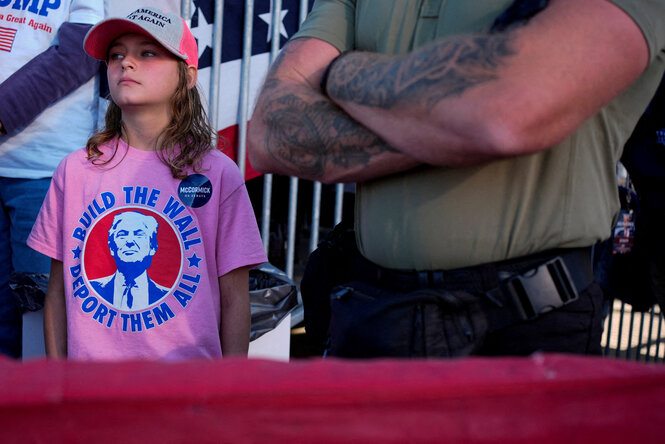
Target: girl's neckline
124 147
136 148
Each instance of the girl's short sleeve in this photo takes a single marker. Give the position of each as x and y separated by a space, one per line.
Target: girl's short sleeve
46 235
239 241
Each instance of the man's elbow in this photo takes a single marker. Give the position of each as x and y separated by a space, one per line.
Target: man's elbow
508 136
259 157
259 162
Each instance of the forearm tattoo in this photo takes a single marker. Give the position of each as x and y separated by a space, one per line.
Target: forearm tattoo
443 69
307 134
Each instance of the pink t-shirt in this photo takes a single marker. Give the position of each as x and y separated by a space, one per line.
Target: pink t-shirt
142 252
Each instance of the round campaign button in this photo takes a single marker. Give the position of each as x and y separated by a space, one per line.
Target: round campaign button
195 191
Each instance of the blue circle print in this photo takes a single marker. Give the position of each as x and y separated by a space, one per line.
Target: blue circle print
195 191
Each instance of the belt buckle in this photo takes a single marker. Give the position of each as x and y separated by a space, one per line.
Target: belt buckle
542 289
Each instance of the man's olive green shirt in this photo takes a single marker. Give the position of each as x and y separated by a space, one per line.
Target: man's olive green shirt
444 218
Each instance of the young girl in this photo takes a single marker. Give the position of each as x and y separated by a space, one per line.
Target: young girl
150 229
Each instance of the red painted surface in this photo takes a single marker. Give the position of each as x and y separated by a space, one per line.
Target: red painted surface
542 399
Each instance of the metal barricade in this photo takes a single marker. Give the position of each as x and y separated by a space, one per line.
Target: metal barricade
634 335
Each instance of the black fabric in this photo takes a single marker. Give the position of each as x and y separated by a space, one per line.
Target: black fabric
356 309
624 272
638 277
644 158
331 264
574 328
518 14
482 278
369 321
450 313
29 290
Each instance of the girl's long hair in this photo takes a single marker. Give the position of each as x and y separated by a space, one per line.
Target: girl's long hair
182 144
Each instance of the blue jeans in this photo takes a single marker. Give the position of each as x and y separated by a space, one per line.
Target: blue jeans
20 200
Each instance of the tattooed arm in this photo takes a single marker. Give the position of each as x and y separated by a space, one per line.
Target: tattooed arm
458 101
297 131
471 99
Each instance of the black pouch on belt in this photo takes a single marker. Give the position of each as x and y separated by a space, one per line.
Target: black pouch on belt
370 321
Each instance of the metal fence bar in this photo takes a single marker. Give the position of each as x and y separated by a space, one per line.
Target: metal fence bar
266 210
644 341
243 104
660 330
215 69
185 10
291 227
608 329
629 348
339 202
640 338
620 333
316 216
650 334
266 207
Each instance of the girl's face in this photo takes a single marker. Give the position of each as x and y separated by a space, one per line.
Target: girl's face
141 73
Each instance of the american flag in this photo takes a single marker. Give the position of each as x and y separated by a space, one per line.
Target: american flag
202 20
7 36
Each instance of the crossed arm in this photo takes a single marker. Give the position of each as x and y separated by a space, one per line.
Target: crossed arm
457 101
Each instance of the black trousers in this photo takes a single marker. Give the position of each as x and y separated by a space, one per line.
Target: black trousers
574 328
354 308
370 321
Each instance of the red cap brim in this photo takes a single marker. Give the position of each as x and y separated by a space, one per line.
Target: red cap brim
100 37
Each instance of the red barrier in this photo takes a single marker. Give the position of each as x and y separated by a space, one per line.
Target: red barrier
542 399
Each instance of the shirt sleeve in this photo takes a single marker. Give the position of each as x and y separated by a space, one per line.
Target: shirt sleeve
239 242
331 21
46 78
86 11
46 235
650 17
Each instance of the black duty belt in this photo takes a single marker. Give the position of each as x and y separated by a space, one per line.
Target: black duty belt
513 290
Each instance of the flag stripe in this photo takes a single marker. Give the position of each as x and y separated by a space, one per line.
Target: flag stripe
7 36
227 143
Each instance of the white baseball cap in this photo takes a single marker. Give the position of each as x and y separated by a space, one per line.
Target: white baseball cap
169 30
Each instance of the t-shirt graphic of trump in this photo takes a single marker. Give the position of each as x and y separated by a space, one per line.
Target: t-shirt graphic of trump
132 242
